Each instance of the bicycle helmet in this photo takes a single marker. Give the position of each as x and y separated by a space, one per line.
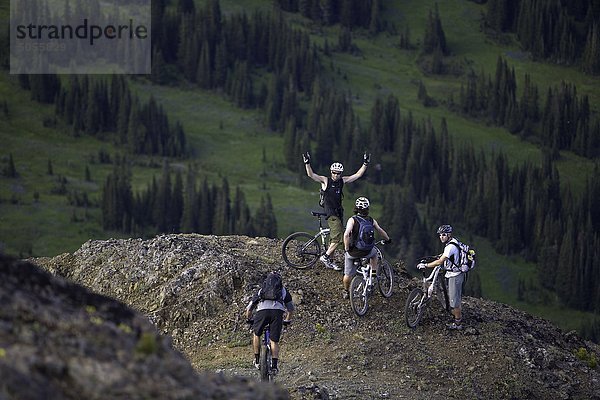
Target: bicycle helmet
337 167
362 203
444 229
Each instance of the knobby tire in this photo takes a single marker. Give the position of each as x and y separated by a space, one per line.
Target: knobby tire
301 250
415 307
385 278
265 363
359 298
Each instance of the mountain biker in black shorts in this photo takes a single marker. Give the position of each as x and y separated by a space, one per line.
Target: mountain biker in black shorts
271 313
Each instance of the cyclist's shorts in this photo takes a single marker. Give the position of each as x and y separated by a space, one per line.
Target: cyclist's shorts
271 317
349 267
455 284
337 232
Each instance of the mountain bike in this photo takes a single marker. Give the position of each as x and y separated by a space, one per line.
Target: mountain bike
419 299
301 249
265 358
362 285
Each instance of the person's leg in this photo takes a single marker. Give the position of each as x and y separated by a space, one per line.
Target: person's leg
349 271
335 235
372 256
276 327
256 348
455 295
258 327
274 349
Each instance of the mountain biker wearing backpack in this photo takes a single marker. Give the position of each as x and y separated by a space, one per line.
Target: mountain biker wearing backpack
359 240
455 279
331 190
271 302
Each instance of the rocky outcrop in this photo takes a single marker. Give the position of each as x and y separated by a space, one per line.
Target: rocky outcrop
194 288
59 340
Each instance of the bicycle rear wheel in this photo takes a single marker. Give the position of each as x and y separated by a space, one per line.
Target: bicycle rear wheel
385 278
415 306
265 363
359 295
300 250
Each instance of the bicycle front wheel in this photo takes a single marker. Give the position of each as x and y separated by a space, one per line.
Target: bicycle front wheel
359 295
385 278
415 306
301 250
265 363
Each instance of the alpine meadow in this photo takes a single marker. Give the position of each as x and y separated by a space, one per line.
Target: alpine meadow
481 114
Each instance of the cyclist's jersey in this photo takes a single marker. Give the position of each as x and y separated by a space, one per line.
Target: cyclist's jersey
452 253
287 303
332 198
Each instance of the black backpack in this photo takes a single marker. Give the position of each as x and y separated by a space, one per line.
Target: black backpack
365 239
272 288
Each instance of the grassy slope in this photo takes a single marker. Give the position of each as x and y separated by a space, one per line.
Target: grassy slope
230 142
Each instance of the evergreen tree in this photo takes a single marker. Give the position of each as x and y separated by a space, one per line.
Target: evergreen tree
162 204
222 211
190 213
206 209
176 204
10 171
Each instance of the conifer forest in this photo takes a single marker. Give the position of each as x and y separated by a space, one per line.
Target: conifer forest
265 60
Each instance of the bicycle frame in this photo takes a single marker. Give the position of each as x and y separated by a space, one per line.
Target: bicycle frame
429 283
363 283
419 298
302 249
323 232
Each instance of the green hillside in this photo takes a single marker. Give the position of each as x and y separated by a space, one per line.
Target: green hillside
40 216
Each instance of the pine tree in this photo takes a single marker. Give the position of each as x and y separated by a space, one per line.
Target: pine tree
10 171
222 210
206 209
190 214
162 203
176 204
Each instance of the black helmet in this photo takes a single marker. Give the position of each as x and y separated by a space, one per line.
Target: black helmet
444 229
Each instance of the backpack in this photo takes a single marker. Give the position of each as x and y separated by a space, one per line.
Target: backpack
365 239
272 288
466 258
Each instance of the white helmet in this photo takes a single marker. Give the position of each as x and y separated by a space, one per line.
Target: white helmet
362 203
337 167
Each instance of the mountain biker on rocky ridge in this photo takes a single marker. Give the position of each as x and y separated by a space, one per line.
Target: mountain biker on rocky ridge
331 191
271 302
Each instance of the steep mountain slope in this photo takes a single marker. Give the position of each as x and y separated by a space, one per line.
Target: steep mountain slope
58 340
194 288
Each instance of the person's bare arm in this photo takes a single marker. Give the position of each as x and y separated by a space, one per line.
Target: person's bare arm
356 175
315 177
381 231
361 170
348 234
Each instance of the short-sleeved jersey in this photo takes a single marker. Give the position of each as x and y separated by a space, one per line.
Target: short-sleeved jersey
452 254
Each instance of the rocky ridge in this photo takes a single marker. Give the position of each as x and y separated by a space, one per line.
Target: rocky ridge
194 288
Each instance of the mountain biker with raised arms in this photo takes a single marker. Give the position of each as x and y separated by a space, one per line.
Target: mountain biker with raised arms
331 188
361 210
450 257
271 313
